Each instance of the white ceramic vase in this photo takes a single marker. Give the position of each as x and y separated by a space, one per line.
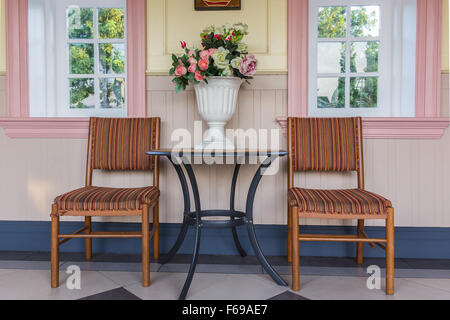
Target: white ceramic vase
216 101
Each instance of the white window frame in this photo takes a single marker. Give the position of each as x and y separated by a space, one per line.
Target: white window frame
384 60
62 60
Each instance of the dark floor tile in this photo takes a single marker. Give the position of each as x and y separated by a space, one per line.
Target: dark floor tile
215 259
13 255
287 295
115 294
439 264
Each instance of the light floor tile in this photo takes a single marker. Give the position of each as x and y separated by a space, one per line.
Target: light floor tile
35 284
126 278
442 284
26 265
239 287
212 268
168 286
355 288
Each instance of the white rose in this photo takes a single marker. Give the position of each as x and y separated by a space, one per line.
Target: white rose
228 27
236 62
220 58
209 29
219 30
227 72
241 27
242 47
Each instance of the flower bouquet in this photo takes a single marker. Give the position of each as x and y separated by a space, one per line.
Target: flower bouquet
223 55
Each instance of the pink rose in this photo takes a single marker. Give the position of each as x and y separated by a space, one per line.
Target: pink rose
192 68
198 76
191 53
203 64
180 70
211 51
248 65
192 60
204 54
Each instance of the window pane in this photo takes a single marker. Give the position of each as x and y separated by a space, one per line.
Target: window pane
80 22
365 21
331 57
111 23
332 22
112 92
82 93
364 56
363 92
81 58
112 58
331 93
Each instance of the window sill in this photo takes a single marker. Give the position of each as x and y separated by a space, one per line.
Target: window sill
70 128
397 128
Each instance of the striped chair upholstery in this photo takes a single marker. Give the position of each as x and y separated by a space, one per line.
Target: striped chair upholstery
350 201
114 199
121 143
324 144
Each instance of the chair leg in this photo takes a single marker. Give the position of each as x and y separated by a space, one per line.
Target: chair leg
156 231
289 223
88 241
390 252
55 248
360 245
295 250
145 247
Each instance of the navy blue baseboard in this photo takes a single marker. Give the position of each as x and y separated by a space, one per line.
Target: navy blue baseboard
411 242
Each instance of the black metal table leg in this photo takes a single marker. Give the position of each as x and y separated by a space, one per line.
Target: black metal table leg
249 222
232 198
198 225
187 209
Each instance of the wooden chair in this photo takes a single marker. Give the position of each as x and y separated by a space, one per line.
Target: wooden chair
114 144
327 145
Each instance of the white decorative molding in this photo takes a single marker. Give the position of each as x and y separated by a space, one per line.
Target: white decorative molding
397 128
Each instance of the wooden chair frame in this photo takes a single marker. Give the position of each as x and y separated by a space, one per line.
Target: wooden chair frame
360 238
145 234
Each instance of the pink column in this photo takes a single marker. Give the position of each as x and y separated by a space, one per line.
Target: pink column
428 64
298 58
136 57
17 98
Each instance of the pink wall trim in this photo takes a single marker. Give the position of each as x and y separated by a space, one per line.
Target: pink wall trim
17 102
136 57
298 16
428 60
397 128
76 128
18 124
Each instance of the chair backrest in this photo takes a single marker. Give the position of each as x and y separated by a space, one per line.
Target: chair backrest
121 143
326 144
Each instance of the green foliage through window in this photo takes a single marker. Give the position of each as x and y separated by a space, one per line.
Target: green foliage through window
332 24
110 55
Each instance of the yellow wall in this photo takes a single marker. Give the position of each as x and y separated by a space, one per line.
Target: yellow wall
2 38
170 21
445 35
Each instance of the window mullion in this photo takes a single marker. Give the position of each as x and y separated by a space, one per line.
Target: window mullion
347 59
96 61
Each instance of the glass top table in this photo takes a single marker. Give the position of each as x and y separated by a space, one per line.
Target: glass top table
184 158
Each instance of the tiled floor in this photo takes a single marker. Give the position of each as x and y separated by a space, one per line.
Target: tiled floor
117 277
